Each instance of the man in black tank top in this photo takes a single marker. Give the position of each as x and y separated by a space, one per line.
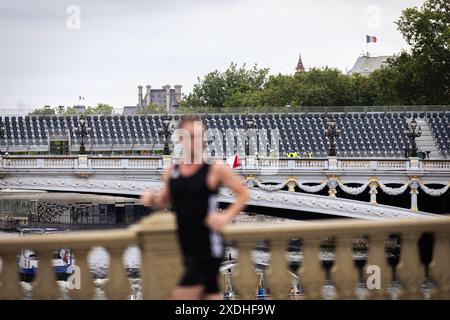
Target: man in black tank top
191 188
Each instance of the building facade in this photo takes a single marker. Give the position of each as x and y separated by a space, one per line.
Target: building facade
169 98
366 64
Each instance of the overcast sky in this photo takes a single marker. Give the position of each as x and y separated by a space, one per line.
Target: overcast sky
50 57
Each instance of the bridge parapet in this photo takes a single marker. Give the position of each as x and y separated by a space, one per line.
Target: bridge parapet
249 163
161 264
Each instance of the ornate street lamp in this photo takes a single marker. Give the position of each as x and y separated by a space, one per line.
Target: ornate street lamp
248 125
2 136
332 133
413 133
82 130
166 131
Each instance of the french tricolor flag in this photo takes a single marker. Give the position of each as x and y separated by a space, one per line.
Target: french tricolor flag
233 161
370 39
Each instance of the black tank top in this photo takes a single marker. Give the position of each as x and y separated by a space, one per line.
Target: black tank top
192 200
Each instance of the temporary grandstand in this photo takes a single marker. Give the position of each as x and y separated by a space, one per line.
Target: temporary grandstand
361 134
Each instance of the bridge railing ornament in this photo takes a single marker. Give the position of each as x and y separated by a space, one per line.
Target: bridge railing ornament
334 182
344 241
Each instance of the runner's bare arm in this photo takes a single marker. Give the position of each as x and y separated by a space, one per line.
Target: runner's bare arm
161 200
228 179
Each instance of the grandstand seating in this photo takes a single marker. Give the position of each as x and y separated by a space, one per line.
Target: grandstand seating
375 134
440 126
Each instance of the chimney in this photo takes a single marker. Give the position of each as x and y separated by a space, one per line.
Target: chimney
167 88
139 96
178 93
148 95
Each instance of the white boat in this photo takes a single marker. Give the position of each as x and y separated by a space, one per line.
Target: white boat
62 259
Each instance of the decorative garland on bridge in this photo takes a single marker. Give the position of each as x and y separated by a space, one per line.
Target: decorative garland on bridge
414 183
434 192
393 191
268 187
353 190
312 189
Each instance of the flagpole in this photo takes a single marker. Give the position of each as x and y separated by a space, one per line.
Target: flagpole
367 47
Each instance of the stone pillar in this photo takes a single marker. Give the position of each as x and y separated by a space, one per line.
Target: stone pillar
250 162
178 93
414 163
167 88
414 192
83 162
148 95
373 192
166 161
139 96
332 163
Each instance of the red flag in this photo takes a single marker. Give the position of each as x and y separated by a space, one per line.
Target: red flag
233 161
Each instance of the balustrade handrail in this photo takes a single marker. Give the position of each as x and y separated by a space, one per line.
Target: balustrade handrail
334 228
81 239
247 230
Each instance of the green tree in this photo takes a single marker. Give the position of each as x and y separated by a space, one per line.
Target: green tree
70 111
360 91
44 111
424 72
152 108
101 109
226 89
316 87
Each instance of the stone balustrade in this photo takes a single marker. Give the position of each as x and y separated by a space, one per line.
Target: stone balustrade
249 163
45 285
161 263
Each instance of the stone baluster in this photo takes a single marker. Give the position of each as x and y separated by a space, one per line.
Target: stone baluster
344 272
10 287
278 277
312 275
410 269
118 286
160 256
439 266
246 280
85 290
377 258
45 286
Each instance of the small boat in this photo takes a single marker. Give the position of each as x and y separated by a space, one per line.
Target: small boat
262 293
62 259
